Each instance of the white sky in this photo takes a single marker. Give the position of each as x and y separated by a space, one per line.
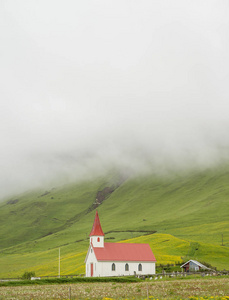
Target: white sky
88 84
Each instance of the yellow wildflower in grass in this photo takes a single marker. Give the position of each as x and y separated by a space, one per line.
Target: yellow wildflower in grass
209 298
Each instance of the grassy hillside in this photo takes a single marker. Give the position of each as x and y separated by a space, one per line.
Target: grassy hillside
188 212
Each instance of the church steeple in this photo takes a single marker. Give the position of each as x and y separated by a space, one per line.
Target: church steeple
96 228
97 235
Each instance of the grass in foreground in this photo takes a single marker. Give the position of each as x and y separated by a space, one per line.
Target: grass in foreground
210 288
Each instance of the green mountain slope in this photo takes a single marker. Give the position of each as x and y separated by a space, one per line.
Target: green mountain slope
190 207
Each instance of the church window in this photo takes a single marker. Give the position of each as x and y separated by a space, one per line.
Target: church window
126 267
140 267
113 267
98 239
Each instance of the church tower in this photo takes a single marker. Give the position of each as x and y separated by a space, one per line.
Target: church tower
97 235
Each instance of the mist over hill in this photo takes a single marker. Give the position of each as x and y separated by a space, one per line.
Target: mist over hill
141 87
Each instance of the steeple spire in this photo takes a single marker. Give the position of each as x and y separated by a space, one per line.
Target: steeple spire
96 228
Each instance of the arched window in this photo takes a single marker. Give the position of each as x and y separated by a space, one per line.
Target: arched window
140 267
98 239
126 267
113 267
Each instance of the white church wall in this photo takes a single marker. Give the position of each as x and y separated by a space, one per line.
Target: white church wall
103 269
147 268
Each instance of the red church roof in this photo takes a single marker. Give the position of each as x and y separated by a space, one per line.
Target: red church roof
96 228
124 252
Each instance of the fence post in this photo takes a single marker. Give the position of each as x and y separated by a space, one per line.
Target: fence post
70 292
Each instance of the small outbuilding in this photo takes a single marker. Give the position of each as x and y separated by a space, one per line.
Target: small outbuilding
193 266
116 259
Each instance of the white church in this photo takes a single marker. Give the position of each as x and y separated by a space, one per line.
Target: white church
116 259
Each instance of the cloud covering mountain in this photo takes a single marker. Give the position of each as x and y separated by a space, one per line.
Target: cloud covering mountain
85 85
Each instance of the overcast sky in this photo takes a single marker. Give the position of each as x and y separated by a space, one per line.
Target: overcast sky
143 85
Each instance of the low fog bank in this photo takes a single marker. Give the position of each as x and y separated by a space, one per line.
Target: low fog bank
141 87
150 153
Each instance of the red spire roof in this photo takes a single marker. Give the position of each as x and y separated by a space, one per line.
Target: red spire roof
96 228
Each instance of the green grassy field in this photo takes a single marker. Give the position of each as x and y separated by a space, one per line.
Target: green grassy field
188 212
